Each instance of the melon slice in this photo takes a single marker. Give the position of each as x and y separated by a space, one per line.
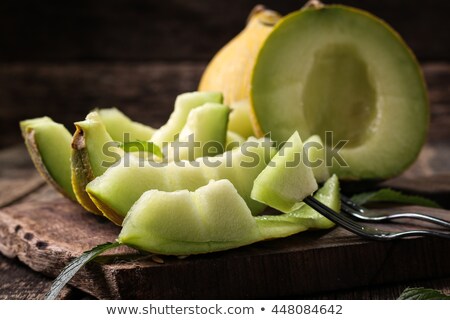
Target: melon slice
194 222
122 128
48 144
184 223
342 70
93 151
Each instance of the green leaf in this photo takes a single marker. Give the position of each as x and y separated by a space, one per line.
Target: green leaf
422 294
74 266
139 145
389 195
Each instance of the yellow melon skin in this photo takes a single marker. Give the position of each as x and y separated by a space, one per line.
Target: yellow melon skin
231 68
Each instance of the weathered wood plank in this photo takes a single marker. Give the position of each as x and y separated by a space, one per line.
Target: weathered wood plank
36 247
18 177
17 281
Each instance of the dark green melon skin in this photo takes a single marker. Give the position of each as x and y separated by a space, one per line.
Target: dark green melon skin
343 70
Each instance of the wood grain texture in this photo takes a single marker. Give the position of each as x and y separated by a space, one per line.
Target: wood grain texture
138 30
18 282
67 92
37 247
18 177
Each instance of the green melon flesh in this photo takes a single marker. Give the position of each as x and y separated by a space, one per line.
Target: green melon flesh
204 133
343 70
287 180
48 144
184 103
119 125
121 185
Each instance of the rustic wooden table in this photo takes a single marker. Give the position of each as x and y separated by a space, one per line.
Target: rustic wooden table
20 183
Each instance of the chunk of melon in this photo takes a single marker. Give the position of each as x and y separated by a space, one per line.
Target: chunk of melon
287 180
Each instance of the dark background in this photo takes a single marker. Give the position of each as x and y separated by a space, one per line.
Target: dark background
62 58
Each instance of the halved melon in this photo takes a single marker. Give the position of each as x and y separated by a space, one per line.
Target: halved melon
342 70
315 152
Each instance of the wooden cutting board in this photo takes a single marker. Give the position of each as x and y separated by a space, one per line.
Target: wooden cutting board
46 231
